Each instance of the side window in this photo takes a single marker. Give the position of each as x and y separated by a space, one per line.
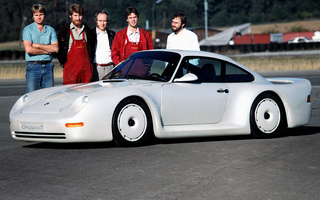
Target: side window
188 65
207 70
236 74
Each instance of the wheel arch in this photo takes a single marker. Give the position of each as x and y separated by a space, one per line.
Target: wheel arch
149 103
128 100
130 97
281 105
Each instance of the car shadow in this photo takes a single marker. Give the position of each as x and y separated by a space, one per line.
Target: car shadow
82 145
300 131
292 132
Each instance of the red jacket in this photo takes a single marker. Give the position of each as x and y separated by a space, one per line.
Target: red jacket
120 43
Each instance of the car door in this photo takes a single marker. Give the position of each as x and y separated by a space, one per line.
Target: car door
191 103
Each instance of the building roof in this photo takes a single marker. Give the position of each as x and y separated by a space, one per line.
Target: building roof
224 37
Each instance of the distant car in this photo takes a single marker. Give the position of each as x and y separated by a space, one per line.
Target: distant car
299 40
164 94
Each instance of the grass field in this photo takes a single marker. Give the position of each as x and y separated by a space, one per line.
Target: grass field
281 63
13 45
17 71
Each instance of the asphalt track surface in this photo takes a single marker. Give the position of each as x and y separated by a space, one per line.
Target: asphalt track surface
287 167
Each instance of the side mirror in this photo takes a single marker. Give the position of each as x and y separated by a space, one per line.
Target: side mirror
189 77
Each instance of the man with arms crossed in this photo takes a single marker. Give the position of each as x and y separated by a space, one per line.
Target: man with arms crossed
39 41
181 38
103 39
130 39
75 53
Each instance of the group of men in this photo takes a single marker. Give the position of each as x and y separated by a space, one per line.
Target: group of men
89 54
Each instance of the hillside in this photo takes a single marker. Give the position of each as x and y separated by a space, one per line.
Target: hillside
285 27
298 26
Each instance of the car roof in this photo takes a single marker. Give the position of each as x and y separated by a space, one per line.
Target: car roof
195 53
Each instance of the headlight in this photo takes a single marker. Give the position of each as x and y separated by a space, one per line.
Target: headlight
19 103
24 98
79 104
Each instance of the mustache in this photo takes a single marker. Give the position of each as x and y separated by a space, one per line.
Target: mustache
77 21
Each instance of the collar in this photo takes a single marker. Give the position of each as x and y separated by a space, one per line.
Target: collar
98 32
44 26
129 32
73 27
182 31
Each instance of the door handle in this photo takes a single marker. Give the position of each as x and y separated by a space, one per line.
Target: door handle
223 90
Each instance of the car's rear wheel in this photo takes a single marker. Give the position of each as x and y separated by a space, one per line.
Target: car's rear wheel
267 116
131 123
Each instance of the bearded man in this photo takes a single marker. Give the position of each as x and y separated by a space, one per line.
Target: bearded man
181 38
75 48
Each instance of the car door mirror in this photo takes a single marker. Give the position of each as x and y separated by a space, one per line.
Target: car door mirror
189 77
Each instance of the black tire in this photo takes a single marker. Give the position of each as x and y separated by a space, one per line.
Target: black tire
131 123
267 116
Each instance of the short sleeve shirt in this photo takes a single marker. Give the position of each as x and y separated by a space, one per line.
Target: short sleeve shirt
32 33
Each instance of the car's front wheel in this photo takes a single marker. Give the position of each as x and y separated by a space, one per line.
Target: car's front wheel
131 123
267 116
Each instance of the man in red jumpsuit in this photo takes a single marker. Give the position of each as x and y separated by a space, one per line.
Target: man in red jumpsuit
130 39
75 48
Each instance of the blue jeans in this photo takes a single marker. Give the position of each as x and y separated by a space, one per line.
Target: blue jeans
39 76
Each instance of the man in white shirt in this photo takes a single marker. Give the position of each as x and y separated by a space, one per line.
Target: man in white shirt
102 46
181 38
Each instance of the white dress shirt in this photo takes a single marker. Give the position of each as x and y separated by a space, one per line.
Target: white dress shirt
103 51
133 37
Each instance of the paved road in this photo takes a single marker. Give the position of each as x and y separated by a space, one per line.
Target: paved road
207 168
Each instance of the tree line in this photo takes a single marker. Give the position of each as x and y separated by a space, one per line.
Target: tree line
15 14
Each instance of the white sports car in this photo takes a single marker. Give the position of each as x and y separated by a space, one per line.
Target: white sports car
164 94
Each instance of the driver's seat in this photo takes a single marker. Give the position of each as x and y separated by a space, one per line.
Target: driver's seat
208 73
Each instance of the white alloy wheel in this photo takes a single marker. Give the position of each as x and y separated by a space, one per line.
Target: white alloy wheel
267 115
132 122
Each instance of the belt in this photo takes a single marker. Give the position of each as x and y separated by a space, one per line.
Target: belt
104 65
40 62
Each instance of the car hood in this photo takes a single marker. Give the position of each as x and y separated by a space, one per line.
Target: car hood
73 97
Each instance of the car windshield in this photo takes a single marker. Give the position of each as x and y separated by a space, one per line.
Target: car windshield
147 65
